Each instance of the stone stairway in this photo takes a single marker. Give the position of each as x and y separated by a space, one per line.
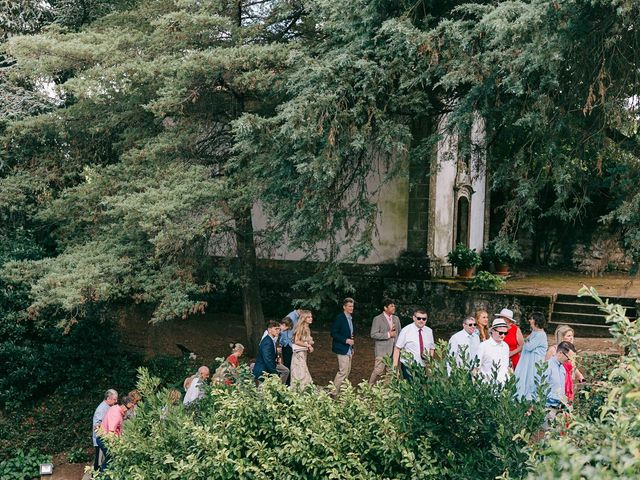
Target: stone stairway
583 314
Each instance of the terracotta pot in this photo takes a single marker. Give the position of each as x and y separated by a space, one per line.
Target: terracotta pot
502 269
466 272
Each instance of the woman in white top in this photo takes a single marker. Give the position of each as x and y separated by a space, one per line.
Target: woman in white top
302 345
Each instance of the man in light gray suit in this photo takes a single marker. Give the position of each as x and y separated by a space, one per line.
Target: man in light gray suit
384 330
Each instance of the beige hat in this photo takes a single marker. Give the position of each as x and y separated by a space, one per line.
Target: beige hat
506 313
498 322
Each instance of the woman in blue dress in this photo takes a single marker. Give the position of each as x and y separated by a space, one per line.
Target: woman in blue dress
533 352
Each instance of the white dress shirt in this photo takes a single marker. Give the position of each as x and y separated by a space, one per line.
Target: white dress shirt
463 341
409 340
194 392
491 352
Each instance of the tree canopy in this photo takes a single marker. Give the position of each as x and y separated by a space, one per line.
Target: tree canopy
172 120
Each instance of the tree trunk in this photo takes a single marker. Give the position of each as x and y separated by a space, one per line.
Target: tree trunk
251 301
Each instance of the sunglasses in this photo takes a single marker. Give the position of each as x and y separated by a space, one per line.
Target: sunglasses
471 324
424 319
502 334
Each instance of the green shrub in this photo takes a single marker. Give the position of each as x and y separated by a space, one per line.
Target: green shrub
474 429
78 455
502 250
464 257
23 466
487 281
40 423
604 443
435 427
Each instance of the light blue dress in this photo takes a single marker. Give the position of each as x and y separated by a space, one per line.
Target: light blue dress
533 353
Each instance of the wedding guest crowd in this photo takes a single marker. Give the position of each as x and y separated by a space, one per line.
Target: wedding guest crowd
490 353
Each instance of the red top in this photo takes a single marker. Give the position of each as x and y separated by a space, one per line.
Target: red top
511 339
229 376
568 381
233 360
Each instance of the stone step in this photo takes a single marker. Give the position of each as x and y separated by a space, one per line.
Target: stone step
624 301
593 309
578 319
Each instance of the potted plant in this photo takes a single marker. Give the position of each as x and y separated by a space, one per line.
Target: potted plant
504 252
464 259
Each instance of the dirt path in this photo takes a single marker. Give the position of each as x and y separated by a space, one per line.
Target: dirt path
209 337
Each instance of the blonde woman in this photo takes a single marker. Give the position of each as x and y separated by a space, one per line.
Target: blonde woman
302 345
227 371
482 324
237 349
564 333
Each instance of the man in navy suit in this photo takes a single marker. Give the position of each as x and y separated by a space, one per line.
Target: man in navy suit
342 332
266 360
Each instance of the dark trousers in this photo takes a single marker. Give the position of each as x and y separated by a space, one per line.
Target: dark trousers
96 459
287 355
105 452
406 374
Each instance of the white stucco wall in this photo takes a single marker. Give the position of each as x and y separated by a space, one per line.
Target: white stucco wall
390 238
443 178
443 196
479 185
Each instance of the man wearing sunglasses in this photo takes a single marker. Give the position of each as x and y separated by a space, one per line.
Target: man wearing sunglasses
416 339
556 376
467 341
494 354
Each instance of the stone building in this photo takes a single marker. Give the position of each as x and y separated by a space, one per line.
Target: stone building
424 213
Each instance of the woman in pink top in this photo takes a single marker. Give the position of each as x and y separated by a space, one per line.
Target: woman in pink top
112 423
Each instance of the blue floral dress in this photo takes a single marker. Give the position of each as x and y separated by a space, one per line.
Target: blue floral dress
533 353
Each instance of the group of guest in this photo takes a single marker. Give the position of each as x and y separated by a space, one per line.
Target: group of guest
493 352
505 351
107 419
284 348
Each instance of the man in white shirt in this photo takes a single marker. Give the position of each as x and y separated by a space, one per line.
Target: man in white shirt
466 340
494 354
110 399
194 392
415 339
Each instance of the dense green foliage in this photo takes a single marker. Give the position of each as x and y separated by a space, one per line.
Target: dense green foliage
603 442
486 281
164 140
437 426
464 257
23 465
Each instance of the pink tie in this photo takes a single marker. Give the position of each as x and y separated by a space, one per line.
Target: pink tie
421 341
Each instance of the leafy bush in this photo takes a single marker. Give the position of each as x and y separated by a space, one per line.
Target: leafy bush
474 429
604 445
23 466
78 455
40 423
487 281
592 395
464 257
502 250
435 427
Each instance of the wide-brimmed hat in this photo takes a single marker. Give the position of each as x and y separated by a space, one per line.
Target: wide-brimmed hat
506 313
498 322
